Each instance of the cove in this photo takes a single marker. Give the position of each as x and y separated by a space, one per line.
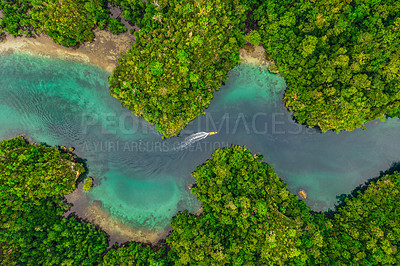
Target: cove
141 180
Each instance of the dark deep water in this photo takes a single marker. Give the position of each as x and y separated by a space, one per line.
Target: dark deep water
142 180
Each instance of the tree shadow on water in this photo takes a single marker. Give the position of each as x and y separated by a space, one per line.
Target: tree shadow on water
395 167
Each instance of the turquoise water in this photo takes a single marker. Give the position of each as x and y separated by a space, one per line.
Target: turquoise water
142 179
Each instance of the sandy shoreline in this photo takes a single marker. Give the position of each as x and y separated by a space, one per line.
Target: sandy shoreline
117 230
255 55
104 51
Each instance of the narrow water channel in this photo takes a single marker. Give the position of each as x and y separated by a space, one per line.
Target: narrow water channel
142 180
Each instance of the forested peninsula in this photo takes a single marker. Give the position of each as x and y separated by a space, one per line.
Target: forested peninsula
249 217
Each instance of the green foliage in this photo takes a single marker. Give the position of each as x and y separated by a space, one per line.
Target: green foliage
179 59
340 58
67 22
133 11
33 179
16 18
135 254
30 172
115 26
248 216
367 229
254 37
38 235
88 184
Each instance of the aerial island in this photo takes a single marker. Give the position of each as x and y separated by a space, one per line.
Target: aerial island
167 59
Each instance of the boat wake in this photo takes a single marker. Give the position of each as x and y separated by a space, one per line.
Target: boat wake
192 139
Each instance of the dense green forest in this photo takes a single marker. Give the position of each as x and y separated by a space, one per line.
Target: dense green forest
340 58
135 254
249 217
341 62
67 22
33 180
179 59
366 230
70 22
135 11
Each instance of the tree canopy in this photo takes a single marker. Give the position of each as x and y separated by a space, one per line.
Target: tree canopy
341 63
248 217
135 254
30 172
178 60
33 180
340 58
67 22
367 229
